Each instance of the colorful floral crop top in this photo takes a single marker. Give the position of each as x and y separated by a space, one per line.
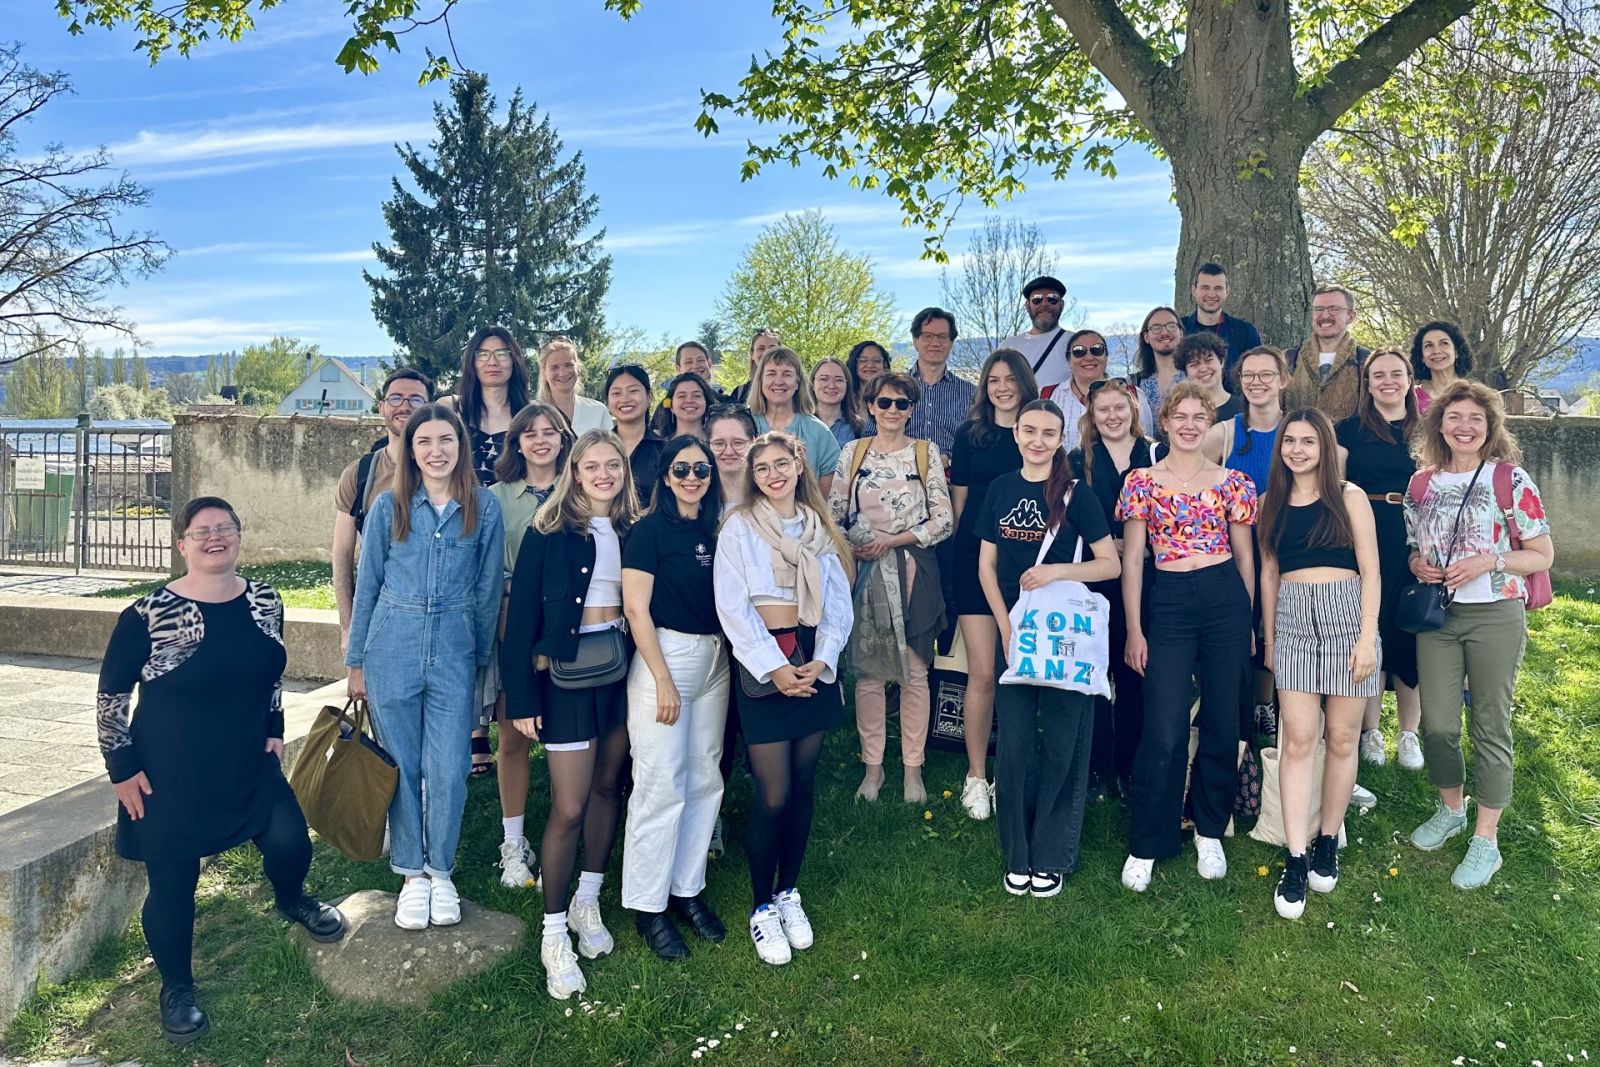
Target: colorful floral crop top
1181 525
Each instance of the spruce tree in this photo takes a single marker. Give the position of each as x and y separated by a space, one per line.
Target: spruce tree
495 229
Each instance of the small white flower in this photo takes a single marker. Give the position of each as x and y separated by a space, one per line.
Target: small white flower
855 978
1538 1063
864 951
1376 899
1159 1007
1292 1049
713 1043
774 1033
738 1026
569 1013
697 1053
1459 1060
1500 1044
1556 897
1330 926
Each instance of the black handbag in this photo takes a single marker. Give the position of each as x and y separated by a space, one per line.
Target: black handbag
756 690
1422 605
602 659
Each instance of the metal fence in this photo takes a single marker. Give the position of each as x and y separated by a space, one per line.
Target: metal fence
86 497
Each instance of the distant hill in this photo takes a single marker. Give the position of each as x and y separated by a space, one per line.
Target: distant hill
162 367
1584 367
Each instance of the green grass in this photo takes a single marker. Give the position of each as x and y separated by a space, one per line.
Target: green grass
303 584
921 958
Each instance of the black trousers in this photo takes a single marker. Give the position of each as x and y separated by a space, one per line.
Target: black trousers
1198 626
1119 720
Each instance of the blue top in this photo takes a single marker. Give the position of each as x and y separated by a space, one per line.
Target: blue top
1240 335
436 568
1252 452
843 432
822 449
944 406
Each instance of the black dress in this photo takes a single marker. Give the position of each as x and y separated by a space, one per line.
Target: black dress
210 695
974 467
486 449
1379 466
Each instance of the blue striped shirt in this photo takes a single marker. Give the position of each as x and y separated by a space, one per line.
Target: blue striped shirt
945 405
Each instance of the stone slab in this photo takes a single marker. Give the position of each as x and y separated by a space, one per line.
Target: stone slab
377 962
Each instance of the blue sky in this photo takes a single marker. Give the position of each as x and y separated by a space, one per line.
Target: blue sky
268 166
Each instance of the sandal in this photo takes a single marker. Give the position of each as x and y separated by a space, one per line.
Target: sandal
482 758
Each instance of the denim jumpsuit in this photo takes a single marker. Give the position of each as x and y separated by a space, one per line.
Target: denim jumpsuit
423 622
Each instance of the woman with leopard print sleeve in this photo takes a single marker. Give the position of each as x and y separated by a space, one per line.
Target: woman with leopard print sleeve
196 765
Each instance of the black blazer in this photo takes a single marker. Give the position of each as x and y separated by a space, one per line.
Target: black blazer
548 586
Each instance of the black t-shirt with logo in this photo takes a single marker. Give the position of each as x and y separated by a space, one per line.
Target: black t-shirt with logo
1014 517
680 555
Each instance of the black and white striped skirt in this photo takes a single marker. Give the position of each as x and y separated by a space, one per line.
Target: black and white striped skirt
1317 627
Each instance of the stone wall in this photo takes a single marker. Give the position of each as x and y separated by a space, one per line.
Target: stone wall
1563 456
278 471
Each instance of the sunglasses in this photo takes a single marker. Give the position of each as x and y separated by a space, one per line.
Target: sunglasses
1050 298
1079 351
899 403
701 470
1095 387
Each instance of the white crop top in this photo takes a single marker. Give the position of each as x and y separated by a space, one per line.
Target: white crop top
605 585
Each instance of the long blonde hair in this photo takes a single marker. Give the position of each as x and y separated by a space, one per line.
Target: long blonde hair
407 475
804 404
1427 441
568 507
543 392
807 491
1089 433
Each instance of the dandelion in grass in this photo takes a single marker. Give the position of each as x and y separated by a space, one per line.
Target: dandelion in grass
1261 872
1394 872
948 794
928 815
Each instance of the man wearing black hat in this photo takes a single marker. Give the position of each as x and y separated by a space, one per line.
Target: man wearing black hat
1044 346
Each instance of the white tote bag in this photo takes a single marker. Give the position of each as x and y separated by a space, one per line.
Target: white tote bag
1060 634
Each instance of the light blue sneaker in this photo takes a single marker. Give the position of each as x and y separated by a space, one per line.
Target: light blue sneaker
1483 859
1441 826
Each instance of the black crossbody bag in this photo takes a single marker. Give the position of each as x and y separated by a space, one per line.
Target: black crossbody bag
1422 604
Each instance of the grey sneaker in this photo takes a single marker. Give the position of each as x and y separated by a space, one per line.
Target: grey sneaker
1440 827
1483 859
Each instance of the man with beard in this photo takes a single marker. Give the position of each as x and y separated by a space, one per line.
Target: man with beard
1210 292
1325 371
403 392
1044 346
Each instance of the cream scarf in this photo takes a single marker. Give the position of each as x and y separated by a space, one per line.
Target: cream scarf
796 562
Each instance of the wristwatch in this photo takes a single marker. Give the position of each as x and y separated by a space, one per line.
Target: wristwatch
1499 563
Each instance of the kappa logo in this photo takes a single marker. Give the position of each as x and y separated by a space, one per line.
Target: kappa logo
1023 522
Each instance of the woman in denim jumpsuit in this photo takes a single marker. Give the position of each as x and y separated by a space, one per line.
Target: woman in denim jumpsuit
426 604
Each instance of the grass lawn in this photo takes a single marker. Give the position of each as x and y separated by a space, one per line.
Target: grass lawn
303 584
922 958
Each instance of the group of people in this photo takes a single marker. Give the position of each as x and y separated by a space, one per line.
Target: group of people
642 590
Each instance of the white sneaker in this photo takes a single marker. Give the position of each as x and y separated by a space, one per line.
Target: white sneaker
594 940
444 902
562 978
766 930
1136 873
516 865
976 799
1409 750
411 911
1362 798
1210 860
1372 747
796 927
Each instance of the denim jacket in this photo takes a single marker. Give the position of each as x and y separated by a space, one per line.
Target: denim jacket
435 569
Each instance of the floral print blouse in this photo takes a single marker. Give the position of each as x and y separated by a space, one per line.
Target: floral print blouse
1180 525
1484 531
887 496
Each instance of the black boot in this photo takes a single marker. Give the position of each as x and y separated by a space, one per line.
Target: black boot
181 1021
322 921
698 914
661 934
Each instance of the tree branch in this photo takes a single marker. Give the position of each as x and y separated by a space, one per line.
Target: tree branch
1114 45
1374 60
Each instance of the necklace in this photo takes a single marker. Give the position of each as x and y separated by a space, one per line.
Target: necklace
1183 483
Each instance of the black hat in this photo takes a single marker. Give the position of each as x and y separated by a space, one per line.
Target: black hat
1044 281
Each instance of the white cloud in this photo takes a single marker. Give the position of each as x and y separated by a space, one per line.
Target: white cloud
359 255
649 238
208 333
231 248
881 211
224 141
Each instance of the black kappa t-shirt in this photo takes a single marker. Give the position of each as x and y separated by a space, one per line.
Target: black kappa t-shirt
1014 517
679 554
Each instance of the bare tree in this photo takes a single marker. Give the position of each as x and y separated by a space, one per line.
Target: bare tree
61 244
1494 225
987 296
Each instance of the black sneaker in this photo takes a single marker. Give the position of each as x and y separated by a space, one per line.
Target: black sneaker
1045 885
1018 883
1290 898
322 921
1324 863
181 1021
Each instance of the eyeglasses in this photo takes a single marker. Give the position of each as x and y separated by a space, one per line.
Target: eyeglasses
1257 375
1319 309
1164 327
223 530
777 466
1079 351
899 403
937 338
492 355
681 471
1048 298
413 402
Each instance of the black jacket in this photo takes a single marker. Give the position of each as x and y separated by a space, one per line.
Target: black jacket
548 586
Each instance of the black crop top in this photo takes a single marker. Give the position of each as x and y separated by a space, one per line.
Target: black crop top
1296 524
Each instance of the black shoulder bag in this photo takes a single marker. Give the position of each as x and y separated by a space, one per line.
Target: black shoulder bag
1422 604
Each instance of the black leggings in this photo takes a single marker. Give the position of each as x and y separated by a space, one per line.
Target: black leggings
585 802
169 908
785 775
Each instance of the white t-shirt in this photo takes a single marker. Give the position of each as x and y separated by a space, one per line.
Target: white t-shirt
1056 368
605 584
589 415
